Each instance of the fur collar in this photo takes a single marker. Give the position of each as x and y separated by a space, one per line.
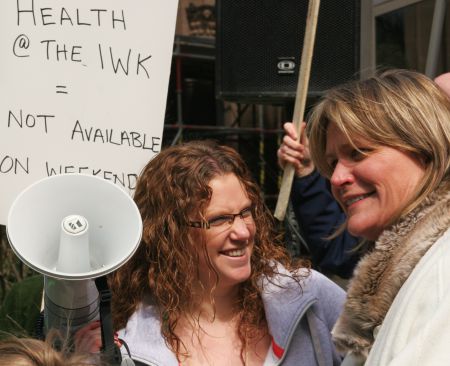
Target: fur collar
381 273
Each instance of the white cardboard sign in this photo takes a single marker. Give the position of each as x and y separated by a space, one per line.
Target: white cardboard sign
83 87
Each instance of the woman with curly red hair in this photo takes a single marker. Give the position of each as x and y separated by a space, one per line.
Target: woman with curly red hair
209 283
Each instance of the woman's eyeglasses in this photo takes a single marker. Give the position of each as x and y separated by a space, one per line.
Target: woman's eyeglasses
224 221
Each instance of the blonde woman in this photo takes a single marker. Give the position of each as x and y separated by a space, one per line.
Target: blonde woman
384 144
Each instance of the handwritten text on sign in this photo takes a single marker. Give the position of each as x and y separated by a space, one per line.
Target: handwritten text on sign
83 86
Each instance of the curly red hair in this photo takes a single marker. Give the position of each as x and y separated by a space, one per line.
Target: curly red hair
171 187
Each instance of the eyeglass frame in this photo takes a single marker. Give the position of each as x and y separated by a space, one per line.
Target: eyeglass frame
206 224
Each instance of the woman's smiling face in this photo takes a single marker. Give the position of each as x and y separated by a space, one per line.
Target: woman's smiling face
372 187
228 246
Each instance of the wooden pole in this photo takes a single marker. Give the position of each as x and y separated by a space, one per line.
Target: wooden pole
300 102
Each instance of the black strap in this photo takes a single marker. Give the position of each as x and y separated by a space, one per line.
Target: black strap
38 332
109 349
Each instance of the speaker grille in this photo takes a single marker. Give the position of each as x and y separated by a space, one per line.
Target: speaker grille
259 45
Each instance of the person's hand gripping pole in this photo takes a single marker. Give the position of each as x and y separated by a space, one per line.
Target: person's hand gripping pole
300 102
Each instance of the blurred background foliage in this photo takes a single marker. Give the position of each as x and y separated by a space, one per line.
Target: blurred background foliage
12 270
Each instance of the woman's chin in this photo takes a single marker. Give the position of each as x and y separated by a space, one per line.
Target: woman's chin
363 231
235 278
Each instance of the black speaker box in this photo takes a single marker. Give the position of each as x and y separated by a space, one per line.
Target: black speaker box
259 45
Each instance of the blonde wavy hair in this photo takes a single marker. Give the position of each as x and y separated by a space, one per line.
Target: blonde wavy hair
172 187
34 352
401 109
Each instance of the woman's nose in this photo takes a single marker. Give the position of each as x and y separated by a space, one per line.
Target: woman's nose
342 174
240 229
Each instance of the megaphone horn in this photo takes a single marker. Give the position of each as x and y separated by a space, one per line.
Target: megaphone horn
73 228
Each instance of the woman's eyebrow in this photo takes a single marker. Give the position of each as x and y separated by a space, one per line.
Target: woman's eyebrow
220 212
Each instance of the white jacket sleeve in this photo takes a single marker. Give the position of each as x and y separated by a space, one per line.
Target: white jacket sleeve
416 330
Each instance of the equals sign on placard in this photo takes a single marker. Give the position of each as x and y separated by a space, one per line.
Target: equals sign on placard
61 89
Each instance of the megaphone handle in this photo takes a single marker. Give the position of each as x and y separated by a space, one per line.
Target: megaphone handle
110 349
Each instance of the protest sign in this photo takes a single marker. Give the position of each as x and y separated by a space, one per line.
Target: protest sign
83 87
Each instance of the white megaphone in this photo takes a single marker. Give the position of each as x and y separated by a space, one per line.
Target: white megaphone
73 228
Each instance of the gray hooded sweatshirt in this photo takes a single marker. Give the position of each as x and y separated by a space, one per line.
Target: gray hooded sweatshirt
299 318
